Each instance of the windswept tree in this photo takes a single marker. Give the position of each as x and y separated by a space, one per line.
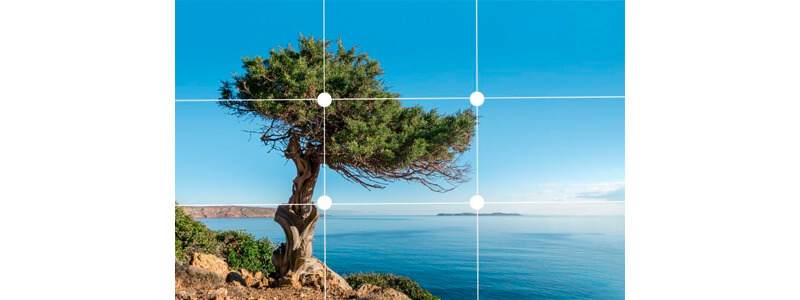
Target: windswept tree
369 142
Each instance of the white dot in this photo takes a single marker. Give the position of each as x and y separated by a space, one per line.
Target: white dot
476 98
324 99
476 202
324 202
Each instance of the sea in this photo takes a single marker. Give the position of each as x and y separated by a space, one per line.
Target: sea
521 257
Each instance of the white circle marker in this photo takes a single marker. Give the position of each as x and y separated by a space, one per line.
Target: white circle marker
476 202
476 98
324 99
324 202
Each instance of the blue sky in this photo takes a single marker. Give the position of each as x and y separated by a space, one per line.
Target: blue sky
530 150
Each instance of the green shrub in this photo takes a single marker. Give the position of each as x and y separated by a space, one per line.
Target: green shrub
242 250
401 283
192 236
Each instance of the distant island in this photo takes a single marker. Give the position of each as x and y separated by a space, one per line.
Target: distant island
210 212
472 214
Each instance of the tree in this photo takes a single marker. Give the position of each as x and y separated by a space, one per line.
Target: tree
371 143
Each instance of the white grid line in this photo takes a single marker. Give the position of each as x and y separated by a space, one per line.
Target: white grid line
324 160
244 204
324 50
324 152
244 100
477 150
477 171
399 203
477 255
477 153
553 97
407 203
416 98
476 45
325 252
477 192
324 211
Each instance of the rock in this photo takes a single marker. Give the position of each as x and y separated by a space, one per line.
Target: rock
183 295
219 294
235 277
246 278
262 281
210 263
312 275
374 292
249 278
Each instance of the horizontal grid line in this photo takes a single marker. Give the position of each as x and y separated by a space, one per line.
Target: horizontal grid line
404 203
245 100
415 98
400 203
553 97
555 202
245 204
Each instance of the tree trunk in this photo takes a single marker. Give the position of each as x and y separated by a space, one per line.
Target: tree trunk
297 221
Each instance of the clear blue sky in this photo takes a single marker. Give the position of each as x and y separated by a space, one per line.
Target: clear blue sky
530 150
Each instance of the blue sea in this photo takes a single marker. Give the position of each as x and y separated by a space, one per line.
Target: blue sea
521 257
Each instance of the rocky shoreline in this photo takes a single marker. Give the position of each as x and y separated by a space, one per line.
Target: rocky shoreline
230 265
209 277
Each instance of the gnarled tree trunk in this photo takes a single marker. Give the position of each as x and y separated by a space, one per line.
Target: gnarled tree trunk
297 221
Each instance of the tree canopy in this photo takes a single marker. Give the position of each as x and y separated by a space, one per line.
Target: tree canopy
370 142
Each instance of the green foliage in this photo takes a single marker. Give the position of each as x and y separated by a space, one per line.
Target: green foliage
401 283
241 250
369 142
192 236
238 248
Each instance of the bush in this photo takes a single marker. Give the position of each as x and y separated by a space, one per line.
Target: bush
401 283
242 250
192 236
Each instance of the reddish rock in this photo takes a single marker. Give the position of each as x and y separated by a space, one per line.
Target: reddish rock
210 263
374 292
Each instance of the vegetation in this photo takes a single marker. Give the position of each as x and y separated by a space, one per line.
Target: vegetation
371 143
241 250
368 142
192 236
401 283
238 248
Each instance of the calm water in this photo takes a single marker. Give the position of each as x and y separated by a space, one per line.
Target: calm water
522 257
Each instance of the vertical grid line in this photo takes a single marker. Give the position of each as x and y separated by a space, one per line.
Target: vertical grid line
325 211
476 45
324 159
324 47
325 252
477 153
324 152
477 255
477 212
477 170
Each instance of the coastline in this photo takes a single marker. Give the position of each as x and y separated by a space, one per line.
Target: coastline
217 212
